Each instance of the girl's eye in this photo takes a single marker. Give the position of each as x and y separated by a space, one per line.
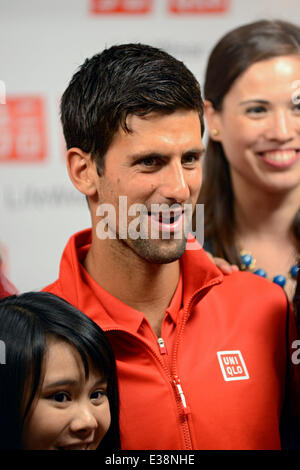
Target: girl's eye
60 397
98 396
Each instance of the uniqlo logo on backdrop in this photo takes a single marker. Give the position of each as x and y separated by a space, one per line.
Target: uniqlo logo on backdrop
121 6
232 365
22 130
198 6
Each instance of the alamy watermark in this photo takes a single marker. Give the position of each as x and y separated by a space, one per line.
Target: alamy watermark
295 357
2 352
296 354
159 221
296 94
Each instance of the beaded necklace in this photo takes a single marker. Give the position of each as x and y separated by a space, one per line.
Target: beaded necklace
248 263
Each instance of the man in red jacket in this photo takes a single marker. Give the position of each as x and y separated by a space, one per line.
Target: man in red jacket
204 361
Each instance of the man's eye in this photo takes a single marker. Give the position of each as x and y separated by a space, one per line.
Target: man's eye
151 161
190 159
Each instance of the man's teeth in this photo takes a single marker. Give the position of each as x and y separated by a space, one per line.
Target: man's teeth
280 156
167 218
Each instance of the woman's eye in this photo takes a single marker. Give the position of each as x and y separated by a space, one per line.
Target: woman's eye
256 110
296 108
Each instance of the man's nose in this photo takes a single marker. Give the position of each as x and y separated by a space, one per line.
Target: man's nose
173 183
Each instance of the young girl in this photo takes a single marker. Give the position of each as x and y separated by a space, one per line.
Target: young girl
251 188
58 384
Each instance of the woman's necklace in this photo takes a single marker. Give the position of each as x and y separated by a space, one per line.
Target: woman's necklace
249 264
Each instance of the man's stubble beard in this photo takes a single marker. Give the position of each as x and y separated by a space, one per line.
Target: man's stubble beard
159 251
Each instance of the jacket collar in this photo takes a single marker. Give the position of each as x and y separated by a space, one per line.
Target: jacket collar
198 274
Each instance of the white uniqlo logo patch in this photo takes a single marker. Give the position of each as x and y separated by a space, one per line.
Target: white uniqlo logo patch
232 365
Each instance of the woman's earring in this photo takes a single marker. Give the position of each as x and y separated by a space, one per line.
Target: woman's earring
214 132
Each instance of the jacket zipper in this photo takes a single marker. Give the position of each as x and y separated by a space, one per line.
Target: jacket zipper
180 391
162 346
174 380
184 407
152 351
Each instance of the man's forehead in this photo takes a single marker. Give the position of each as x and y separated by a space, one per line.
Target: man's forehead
151 134
134 121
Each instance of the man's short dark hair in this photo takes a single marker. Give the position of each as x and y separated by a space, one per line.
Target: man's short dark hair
122 80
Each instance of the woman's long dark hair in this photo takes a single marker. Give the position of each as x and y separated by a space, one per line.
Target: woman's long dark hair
296 299
27 322
231 56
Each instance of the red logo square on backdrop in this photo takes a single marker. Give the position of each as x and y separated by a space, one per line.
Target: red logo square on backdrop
22 130
103 7
198 6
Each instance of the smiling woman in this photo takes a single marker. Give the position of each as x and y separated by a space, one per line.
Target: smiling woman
251 188
58 386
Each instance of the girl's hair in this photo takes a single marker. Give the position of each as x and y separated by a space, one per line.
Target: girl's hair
27 322
231 56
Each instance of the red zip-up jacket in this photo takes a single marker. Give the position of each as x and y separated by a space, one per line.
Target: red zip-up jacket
216 379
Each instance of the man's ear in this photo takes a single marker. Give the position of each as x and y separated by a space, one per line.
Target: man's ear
213 121
82 171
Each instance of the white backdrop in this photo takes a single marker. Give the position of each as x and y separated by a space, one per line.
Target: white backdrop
42 43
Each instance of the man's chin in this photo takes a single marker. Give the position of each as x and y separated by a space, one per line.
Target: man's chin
159 251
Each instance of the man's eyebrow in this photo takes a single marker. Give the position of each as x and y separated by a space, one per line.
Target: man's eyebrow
254 100
147 154
197 151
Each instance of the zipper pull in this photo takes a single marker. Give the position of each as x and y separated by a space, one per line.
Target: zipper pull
181 394
162 346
